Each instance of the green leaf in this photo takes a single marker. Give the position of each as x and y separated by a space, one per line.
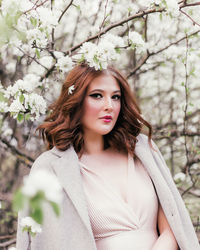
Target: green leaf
192 71
55 207
37 53
81 59
118 50
18 200
27 116
78 7
96 60
191 104
37 215
20 117
21 98
2 98
100 66
33 21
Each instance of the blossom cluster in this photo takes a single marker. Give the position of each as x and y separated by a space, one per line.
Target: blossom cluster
20 99
41 186
99 55
43 181
29 225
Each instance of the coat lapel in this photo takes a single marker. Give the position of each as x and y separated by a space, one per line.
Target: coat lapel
153 168
67 169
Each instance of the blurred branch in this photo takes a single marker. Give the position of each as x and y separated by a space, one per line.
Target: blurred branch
186 87
193 21
8 243
35 6
146 57
103 22
22 157
184 4
190 192
6 196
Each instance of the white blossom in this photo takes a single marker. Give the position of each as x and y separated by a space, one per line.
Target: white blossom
46 61
16 107
10 67
12 248
115 40
136 40
6 132
98 56
36 104
44 181
28 84
33 226
3 107
47 17
173 7
58 54
38 36
179 177
64 63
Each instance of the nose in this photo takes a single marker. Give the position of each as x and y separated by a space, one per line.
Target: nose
108 105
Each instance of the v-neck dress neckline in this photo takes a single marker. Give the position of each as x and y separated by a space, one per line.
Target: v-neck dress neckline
118 224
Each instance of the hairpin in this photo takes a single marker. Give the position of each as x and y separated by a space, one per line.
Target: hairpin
71 89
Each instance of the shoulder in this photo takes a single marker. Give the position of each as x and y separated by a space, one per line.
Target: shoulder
142 140
44 160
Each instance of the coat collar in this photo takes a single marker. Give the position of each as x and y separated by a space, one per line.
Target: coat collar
67 169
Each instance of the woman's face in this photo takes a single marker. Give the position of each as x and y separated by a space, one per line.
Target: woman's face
101 105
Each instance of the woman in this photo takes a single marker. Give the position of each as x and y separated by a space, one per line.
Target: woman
118 191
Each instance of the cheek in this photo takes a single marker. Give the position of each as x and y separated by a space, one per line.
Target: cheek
91 107
117 108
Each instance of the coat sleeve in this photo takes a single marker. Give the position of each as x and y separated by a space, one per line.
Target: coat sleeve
186 224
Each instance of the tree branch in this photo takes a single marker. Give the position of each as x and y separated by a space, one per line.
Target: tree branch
22 157
145 57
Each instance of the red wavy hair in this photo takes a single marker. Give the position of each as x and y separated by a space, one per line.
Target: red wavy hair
62 127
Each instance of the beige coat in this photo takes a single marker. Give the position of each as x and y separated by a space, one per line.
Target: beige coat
72 230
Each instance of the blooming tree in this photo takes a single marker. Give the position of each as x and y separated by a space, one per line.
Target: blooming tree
155 43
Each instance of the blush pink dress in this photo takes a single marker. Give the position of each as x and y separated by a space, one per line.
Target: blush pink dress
118 224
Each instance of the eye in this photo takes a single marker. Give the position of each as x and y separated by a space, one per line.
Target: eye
96 95
116 97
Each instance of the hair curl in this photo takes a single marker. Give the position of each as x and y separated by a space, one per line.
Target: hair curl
63 128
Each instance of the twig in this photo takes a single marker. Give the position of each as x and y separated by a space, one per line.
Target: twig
35 6
8 243
193 21
59 19
184 5
23 157
104 18
116 24
186 106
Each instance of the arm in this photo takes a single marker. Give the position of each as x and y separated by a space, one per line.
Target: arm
166 240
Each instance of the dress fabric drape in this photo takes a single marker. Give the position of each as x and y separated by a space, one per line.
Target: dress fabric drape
120 224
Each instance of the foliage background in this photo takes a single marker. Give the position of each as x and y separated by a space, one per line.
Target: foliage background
162 69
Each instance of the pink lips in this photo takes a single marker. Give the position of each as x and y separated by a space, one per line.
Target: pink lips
107 118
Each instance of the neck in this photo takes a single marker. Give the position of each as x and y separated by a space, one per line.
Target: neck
93 144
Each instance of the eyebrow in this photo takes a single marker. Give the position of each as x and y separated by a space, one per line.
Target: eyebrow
101 90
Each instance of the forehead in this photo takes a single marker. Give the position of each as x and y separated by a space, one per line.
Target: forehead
104 82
